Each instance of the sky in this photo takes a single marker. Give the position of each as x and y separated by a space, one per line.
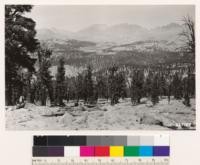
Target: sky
74 18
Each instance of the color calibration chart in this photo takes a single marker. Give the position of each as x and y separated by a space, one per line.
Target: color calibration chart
104 150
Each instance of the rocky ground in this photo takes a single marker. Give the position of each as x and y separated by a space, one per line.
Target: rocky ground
103 116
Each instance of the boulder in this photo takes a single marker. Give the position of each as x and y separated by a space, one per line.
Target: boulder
150 120
66 119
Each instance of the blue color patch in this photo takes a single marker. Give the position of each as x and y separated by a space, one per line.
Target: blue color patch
146 151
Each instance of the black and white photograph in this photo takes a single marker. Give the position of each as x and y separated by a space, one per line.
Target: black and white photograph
100 67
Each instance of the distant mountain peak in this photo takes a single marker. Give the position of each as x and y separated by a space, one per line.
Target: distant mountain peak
94 27
173 24
170 26
128 24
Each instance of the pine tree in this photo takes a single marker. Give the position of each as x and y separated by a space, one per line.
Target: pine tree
121 84
20 42
169 87
191 79
177 86
88 86
112 85
116 85
155 90
29 87
186 87
72 88
187 83
60 82
162 84
79 87
44 77
101 86
188 34
147 84
66 95
137 84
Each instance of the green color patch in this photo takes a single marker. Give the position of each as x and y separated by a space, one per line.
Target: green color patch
131 150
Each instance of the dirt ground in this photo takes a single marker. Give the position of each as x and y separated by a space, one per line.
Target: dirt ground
103 116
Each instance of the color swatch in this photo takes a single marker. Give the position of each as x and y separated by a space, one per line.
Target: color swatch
116 151
131 151
101 146
87 151
146 151
102 151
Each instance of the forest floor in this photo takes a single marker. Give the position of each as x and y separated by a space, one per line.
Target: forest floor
103 116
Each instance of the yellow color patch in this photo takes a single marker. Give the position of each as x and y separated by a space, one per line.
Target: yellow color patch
116 151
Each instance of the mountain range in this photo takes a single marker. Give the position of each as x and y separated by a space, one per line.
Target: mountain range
119 33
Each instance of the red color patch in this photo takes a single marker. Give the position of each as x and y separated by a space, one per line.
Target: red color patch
102 151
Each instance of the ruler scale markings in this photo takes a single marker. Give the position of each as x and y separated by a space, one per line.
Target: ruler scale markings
110 161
